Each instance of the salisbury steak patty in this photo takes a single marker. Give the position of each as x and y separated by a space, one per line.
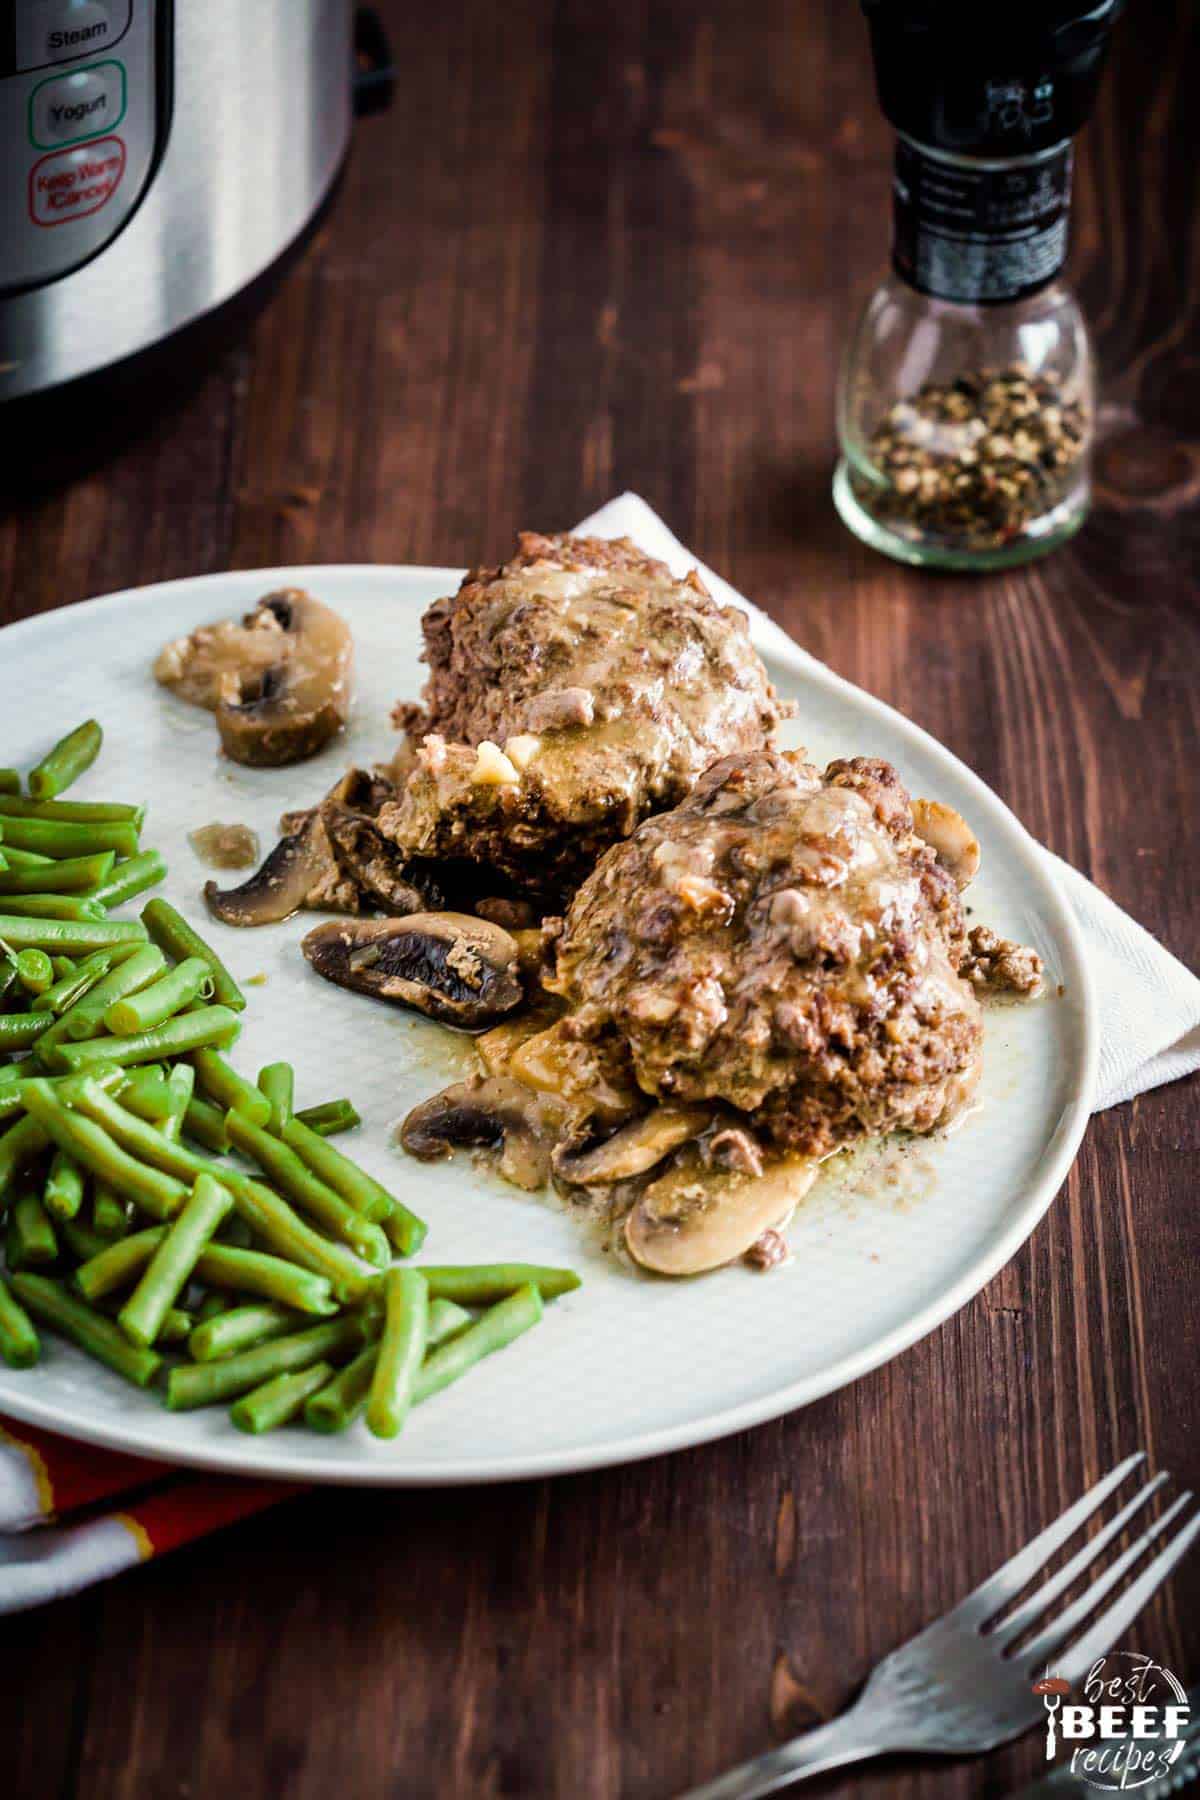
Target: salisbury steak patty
782 942
598 686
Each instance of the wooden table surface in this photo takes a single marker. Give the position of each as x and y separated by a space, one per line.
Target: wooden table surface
588 251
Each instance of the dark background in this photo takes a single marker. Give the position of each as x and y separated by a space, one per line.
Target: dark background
593 248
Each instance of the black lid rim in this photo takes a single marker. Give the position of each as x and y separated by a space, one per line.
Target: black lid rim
920 15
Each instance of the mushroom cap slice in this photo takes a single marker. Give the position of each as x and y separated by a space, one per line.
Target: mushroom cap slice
290 708
493 1113
299 871
692 1218
949 837
632 1149
460 970
375 866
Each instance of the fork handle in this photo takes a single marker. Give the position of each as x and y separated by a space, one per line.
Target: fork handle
843 1740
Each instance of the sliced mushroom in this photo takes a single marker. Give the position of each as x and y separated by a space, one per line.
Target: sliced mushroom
366 857
291 709
632 1149
362 791
450 966
693 1218
492 1113
279 682
300 871
949 837
551 1062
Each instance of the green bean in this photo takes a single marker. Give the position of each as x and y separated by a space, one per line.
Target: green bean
18 1147
62 837
279 1401
150 1189
71 812
269 1277
12 1093
57 1307
19 1343
446 1320
283 1231
135 1135
73 984
173 1261
401 1351
75 875
478 1284
497 1328
228 1088
75 908
179 1085
115 1265
239 1328
339 1404
145 1092
186 1031
109 1218
63 1193
176 1327
70 936
86 1018
206 1124
329 1118
360 1190
130 878
155 1004
277 1083
205 1384
320 1202
81 1241
29 1241
25 859
10 781
68 760
211 1307
35 971
172 933
20 1031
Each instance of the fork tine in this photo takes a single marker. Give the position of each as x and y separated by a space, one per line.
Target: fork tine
1011 1577
1010 1628
1109 1626
1060 1629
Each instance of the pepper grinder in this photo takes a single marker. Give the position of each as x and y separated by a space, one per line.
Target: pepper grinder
966 403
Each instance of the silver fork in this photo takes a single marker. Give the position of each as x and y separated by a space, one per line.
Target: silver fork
958 1687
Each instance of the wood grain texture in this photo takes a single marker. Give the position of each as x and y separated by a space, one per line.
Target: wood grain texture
586 251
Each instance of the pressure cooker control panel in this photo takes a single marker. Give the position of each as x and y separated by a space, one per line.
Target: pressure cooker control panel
81 99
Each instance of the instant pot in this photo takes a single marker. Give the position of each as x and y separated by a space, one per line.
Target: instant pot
157 159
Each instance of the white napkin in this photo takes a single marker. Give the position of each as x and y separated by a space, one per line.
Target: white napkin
1149 1003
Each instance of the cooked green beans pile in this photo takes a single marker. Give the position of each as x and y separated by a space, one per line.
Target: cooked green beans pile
190 1228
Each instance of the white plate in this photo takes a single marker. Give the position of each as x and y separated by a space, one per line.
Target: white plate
883 1250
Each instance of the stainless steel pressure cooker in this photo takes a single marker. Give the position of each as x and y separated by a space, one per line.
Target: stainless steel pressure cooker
155 159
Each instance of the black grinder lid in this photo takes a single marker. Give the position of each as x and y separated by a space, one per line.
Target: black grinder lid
989 78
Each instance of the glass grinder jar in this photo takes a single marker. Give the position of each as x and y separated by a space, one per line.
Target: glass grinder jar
966 400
